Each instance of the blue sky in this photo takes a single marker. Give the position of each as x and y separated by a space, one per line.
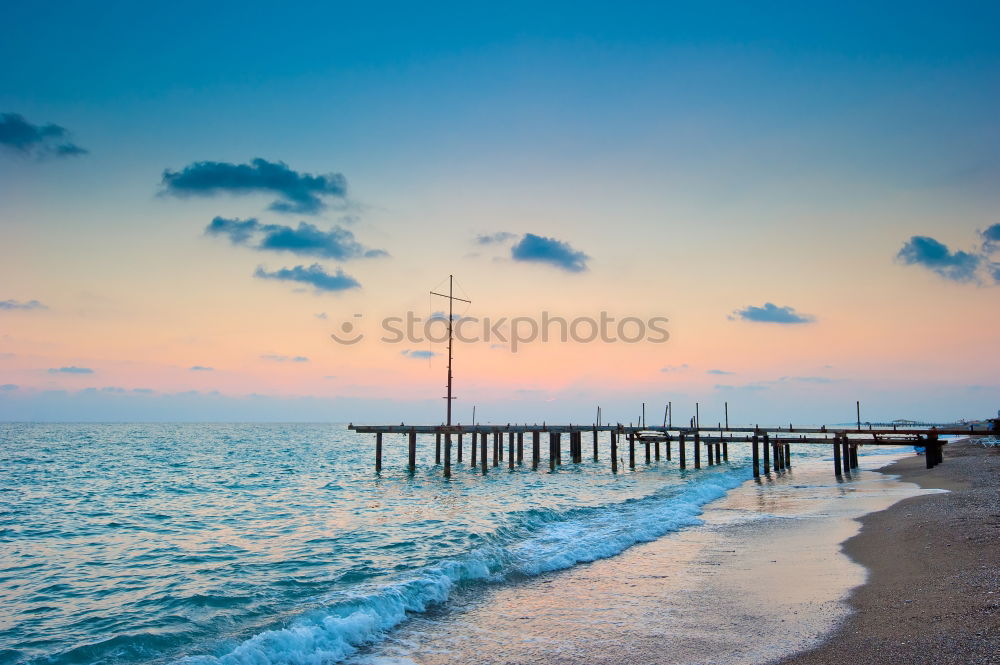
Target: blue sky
631 145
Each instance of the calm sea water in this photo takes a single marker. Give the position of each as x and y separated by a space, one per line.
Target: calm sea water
215 543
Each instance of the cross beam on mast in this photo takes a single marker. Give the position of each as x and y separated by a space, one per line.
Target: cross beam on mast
451 301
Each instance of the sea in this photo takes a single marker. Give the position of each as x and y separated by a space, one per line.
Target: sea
205 544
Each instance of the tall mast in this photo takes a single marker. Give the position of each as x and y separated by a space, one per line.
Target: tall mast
451 313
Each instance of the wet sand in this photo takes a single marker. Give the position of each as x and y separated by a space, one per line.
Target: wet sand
763 577
933 593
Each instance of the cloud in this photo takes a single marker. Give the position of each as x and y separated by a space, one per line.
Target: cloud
718 371
811 379
418 354
305 240
314 275
300 193
284 359
674 368
540 249
201 368
495 238
21 136
322 316
71 370
8 387
991 238
956 266
143 391
16 304
771 313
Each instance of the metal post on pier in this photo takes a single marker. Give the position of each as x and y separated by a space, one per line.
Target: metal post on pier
378 452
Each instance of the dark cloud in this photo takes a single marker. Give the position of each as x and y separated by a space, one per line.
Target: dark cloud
305 240
201 368
21 136
8 386
17 304
314 275
300 193
495 238
718 371
991 238
418 354
71 370
540 249
771 313
956 266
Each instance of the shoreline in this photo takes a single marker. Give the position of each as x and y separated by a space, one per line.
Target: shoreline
765 561
932 593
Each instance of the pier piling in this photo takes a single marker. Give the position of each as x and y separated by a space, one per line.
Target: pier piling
413 451
378 452
836 455
614 451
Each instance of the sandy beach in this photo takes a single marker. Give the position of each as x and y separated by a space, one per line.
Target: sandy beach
933 591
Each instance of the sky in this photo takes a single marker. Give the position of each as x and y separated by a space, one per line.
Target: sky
803 197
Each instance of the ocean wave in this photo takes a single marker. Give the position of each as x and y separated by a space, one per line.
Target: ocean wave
536 542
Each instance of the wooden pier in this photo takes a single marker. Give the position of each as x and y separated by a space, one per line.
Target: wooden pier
770 447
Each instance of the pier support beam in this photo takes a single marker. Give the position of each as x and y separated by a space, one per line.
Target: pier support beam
682 450
472 450
836 455
520 447
496 448
558 437
667 447
725 451
447 455
378 452
648 460
460 446
697 450
552 451
614 451
482 452
413 451
756 455
846 455
595 443
437 448
510 451
535 445
854 456
631 450
767 453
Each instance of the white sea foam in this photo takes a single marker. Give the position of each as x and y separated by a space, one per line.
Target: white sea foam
544 542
